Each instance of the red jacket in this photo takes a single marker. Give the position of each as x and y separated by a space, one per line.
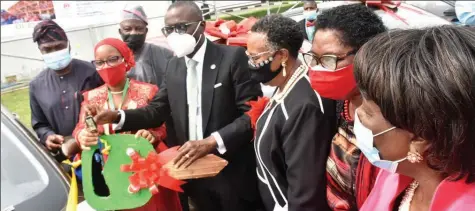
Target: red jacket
449 195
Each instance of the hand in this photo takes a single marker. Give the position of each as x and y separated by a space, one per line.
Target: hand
87 139
100 115
106 117
70 147
146 134
192 150
92 109
53 142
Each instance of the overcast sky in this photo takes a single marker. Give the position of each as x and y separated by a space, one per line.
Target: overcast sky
7 4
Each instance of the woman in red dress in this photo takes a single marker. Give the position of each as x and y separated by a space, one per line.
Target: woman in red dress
112 60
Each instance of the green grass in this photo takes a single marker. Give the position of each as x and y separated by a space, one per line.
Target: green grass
18 102
258 12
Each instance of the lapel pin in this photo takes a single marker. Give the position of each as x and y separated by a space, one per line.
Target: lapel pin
213 66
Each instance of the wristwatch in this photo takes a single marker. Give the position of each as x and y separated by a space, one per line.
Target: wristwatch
117 119
59 155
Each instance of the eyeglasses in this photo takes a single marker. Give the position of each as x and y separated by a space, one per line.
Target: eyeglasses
179 28
111 61
256 57
328 61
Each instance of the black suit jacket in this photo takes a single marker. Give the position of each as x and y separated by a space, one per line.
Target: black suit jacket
223 108
303 28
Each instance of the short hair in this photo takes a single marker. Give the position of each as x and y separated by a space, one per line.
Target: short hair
188 4
423 81
309 2
355 22
281 32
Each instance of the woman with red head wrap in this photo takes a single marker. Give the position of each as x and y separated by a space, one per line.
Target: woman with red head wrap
112 61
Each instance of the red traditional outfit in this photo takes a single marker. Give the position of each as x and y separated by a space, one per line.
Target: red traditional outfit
138 94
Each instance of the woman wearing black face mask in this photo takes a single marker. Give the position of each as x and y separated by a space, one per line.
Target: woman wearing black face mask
293 134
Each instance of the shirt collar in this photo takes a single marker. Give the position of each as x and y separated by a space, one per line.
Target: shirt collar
200 54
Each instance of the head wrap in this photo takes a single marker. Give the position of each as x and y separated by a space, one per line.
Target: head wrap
121 47
48 31
134 12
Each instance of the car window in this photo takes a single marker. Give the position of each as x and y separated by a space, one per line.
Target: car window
22 175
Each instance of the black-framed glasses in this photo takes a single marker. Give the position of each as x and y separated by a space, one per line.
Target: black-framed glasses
328 61
179 28
111 61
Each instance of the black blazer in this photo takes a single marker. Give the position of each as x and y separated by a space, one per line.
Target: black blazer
223 108
303 28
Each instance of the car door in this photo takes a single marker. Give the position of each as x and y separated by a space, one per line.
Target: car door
30 178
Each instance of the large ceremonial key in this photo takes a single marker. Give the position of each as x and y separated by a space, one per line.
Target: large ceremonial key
91 124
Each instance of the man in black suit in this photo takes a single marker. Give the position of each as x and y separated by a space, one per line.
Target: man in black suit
307 24
205 89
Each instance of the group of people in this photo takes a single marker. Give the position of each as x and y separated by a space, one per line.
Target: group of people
370 119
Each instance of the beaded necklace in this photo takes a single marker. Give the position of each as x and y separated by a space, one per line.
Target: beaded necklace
279 96
346 111
406 200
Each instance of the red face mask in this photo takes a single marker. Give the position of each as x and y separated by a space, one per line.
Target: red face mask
334 85
113 75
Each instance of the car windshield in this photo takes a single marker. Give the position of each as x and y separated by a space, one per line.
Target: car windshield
22 175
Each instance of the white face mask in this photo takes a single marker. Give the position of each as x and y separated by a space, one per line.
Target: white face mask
365 142
182 44
58 60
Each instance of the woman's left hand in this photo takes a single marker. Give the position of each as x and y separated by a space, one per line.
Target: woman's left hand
145 134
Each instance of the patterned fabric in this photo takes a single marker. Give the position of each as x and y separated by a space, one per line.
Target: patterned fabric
48 31
134 12
350 175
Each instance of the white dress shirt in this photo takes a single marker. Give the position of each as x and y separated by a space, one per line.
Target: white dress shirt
194 109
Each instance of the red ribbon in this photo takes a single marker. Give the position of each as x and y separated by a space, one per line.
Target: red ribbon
238 32
257 107
149 172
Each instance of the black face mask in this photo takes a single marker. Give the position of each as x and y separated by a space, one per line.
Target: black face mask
262 72
134 41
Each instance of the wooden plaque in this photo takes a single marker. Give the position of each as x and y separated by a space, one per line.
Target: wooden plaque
207 166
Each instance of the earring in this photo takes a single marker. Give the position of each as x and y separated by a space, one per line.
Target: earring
414 157
284 70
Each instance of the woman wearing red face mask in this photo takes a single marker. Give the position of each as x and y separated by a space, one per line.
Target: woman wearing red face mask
112 60
340 33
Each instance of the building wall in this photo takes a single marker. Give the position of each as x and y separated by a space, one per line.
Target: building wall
82 40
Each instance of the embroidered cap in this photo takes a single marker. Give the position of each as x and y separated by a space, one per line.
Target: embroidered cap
134 12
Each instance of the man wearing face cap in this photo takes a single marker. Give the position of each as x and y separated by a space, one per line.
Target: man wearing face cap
206 90
55 93
151 60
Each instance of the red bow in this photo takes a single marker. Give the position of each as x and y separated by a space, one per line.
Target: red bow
237 32
310 23
257 107
148 172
